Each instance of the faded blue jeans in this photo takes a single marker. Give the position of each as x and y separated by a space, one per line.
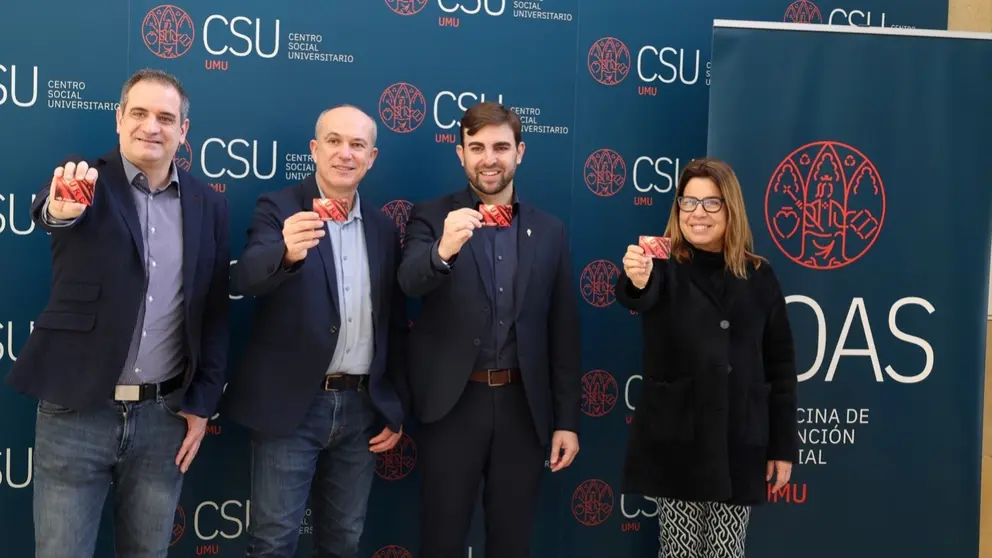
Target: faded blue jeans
327 457
76 457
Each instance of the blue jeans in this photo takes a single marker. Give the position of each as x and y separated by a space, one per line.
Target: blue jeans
76 457
326 457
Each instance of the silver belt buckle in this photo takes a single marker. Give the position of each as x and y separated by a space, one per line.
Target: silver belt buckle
127 393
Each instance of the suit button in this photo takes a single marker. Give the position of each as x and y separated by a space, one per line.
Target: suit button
334 329
485 308
729 369
724 324
477 342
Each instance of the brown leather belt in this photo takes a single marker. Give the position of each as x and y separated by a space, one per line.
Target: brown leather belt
343 382
496 378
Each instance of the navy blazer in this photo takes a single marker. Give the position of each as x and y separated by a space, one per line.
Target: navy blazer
445 340
297 318
76 353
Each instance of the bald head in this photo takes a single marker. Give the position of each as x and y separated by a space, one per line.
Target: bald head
346 117
343 149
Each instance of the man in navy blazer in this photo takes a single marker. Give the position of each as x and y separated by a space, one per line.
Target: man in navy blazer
322 382
494 355
129 354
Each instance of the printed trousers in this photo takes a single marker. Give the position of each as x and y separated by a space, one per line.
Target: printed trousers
701 529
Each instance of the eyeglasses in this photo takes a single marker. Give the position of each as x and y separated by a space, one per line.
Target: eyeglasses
710 205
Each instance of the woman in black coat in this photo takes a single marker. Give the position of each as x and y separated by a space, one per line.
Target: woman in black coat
716 420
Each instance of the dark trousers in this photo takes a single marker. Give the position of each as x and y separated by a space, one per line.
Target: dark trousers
487 437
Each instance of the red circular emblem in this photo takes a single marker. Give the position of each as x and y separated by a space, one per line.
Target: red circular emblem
803 11
406 7
392 551
598 283
592 502
825 205
608 61
184 156
178 525
599 393
605 172
168 31
402 107
398 462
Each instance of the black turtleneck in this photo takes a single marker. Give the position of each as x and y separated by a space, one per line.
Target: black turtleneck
710 268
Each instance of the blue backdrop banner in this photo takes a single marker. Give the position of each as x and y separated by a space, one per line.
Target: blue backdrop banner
614 100
856 149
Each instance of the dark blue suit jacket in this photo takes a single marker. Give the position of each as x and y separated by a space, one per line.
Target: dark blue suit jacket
75 355
447 336
297 318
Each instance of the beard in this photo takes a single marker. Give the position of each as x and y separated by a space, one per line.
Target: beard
490 189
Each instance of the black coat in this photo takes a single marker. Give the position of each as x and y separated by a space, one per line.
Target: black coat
719 390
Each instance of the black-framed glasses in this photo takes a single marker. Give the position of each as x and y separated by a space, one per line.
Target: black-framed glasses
710 205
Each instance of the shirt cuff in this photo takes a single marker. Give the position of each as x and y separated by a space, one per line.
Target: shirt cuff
439 265
52 221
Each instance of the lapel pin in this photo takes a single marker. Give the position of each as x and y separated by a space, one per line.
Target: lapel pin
528 232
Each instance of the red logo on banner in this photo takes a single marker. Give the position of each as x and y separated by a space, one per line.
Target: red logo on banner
168 31
402 107
598 283
825 205
609 61
803 11
791 493
599 393
178 525
392 551
605 172
406 7
398 462
592 502
184 156
399 212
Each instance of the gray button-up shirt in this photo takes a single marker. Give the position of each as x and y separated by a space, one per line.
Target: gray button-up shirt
355 346
156 353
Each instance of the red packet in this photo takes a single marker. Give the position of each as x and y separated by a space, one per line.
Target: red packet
72 190
332 209
655 246
496 215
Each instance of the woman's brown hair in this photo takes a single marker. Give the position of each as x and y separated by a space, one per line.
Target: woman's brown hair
738 242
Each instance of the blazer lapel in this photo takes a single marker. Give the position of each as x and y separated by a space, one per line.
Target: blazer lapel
191 203
375 250
309 191
474 248
526 251
119 188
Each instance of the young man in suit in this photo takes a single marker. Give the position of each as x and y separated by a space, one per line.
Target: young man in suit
494 355
322 384
129 354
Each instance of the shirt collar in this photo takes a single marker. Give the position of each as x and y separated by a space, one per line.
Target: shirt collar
133 172
356 209
476 200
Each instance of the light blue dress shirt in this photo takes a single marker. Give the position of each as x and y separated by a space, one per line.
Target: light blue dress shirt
356 341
